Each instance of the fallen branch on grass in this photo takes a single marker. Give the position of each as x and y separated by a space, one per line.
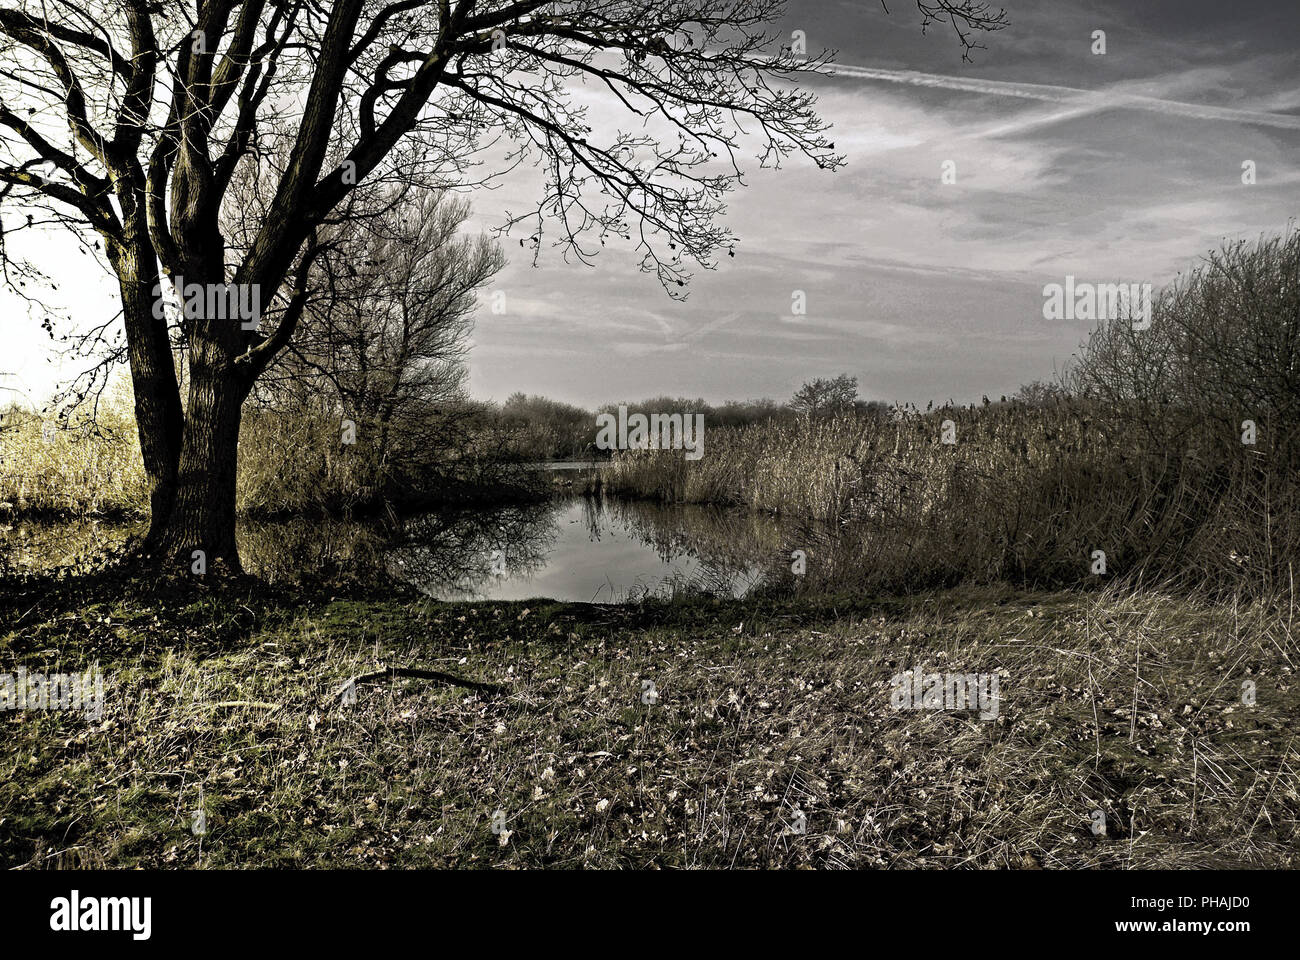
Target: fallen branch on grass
254 704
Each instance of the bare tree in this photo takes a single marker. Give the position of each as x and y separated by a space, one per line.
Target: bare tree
129 119
384 342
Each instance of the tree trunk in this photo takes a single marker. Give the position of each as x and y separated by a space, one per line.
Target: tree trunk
158 413
197 536
203 516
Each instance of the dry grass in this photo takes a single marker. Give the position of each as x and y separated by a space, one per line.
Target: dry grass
1126 704
1025 494
77 468
289 463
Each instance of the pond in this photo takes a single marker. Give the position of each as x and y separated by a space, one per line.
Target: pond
583 549
575 548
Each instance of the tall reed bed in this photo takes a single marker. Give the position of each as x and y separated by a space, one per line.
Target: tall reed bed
1027 492
295 462
78 468
290 462
304 462
1170 447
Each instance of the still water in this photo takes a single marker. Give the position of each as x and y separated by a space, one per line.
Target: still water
585 549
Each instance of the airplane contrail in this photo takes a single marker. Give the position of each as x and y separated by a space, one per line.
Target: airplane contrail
673 341
1080 102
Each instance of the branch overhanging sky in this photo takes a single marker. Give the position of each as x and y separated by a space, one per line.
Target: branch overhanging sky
1122 167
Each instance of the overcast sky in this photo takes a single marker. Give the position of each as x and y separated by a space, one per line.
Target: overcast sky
1122 167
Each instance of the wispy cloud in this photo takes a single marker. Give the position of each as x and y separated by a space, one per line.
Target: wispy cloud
1080 102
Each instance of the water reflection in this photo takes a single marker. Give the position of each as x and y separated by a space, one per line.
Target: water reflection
458 555
575 549
28 546
587 549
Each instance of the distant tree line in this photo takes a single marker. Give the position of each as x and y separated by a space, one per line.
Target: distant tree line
538 428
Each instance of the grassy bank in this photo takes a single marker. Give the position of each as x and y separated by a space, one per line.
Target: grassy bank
227 702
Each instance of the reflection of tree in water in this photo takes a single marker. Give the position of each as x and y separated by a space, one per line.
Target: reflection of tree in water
733 547
28 546
447 553
288 549
451 554
736 546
